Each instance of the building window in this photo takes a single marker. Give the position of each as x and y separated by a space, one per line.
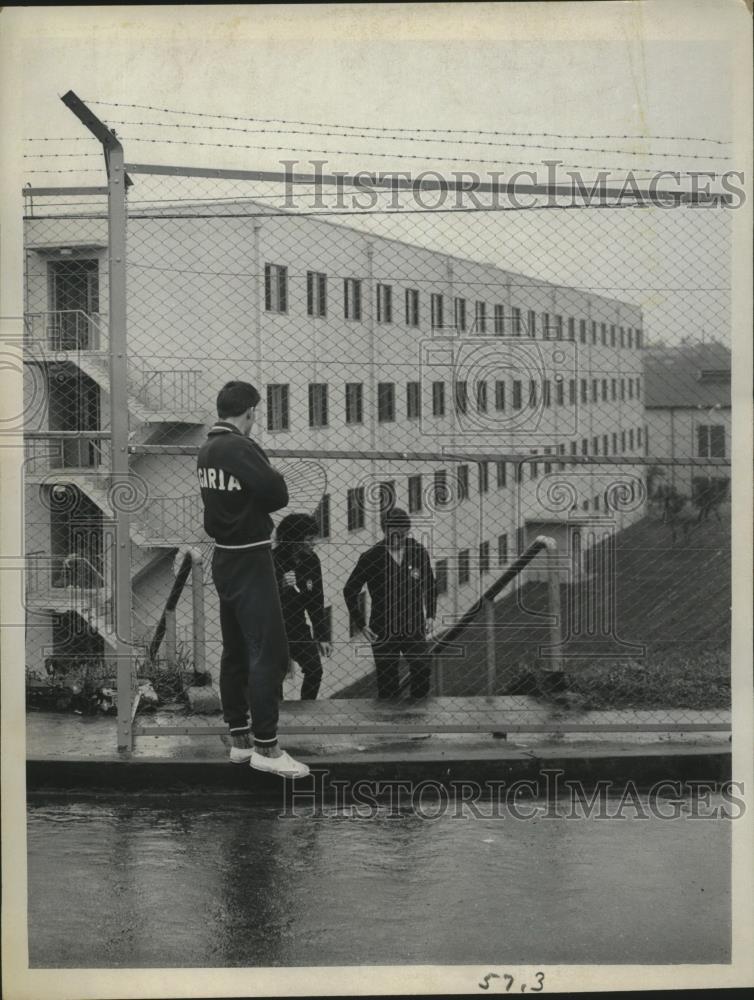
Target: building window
499 320
502 550
615 443
354 403
622 336
639 336
630 337
630 388
463 482
517 388
595 446
385 402
352 298
622 388
572 392
559 390
384 303
318 404
440 487
710 441
484 477
558 327
582 331
413 400
613 389
278 414
500 468
361 604
571 328
481 397
532 392
516 321
605 445
561 451
460 312
623 442
584 446
545 326
412 307
604 390
532 323
316 293
322 516
631 440
438 399
441 576
595 390
414 494
436 310
499 395
584 391
546 393
355 508
612 336
484 557
480 317
275 288
574 447
464 566
603 334
638 388
594 331
638 437
461 397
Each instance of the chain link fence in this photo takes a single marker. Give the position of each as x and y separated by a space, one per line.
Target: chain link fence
500 375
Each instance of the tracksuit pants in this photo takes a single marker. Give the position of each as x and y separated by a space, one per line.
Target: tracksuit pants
387 654
305 652
255 646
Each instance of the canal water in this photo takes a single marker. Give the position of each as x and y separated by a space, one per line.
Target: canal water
172 882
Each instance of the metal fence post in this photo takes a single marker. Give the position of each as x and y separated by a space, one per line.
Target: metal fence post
555 670
119 428
171 645
488 617
197 599
119 416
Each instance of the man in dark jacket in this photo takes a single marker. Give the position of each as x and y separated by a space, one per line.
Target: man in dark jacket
299 576
397 573
239 489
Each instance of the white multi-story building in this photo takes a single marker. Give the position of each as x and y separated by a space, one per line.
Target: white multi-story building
359 343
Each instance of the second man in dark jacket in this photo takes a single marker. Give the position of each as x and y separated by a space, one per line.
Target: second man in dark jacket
397 573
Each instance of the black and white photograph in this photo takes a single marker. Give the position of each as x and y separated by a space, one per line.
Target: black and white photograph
376 508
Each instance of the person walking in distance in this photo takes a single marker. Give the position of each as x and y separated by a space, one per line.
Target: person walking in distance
397 573
299 576
239 490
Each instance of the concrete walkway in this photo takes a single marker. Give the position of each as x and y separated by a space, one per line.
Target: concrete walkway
76 752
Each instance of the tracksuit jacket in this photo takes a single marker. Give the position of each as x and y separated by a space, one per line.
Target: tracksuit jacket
399 594
239 488
306 598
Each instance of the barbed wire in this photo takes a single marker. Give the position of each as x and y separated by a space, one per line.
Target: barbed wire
380 128
413 138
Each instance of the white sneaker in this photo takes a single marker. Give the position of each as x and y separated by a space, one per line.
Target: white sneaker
284 765
241 755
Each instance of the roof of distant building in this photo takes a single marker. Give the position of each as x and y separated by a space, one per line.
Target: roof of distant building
687 376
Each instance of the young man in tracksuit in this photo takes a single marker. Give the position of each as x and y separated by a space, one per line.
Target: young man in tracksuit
397 572
239 489
299 575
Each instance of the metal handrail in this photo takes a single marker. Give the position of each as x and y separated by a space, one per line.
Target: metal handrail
191 564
